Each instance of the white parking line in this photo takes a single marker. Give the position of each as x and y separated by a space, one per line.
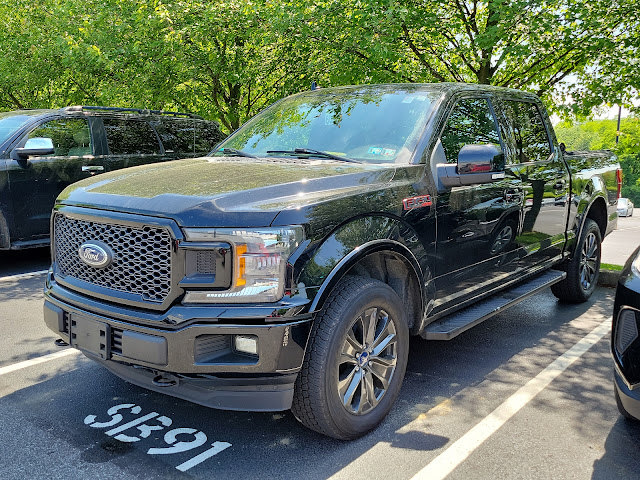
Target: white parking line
21 276
460 450
37 360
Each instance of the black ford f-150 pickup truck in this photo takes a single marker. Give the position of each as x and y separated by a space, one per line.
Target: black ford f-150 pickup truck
288 269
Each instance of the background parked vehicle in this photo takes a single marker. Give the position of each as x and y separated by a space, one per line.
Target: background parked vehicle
625 340
625 207
43 151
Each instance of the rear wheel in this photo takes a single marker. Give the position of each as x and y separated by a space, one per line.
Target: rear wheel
355 361
584 267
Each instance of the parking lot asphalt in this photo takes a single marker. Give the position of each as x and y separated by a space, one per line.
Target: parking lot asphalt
526 394
620 243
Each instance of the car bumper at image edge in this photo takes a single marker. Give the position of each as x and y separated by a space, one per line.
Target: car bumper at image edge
630 398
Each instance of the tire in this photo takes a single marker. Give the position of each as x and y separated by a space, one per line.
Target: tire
583 268
622 410
340 392
503 237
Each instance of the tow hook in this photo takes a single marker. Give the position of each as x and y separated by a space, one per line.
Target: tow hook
162 381
61 343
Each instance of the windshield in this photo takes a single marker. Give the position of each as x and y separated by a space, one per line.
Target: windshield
372 124
10 122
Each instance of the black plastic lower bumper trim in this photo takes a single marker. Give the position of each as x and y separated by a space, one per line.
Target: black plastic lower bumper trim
260 394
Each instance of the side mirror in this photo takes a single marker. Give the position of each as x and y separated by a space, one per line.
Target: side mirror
476 164
35 146
478 158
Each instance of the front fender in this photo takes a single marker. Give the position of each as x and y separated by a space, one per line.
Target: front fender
336 254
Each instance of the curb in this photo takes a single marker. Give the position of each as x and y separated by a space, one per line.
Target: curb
608 278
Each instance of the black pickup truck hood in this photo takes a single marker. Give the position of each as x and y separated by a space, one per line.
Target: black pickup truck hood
223 192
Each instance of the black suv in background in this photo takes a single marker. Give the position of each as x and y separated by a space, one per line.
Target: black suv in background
43 151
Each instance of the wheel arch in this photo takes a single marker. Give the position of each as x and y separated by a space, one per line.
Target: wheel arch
597 211
388 261
383 247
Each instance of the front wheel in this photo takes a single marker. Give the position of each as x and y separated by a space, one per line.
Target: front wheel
355 361
584 267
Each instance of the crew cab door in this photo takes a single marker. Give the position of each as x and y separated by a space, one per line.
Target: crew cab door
479 204
531 158
36 181
126 142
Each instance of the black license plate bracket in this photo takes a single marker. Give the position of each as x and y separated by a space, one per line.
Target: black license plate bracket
90 336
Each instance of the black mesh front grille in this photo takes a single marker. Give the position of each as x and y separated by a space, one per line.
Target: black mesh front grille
141 256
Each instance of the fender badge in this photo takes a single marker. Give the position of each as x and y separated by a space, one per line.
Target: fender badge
417 202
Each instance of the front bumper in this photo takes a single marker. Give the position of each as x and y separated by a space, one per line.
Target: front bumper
630 398
197 361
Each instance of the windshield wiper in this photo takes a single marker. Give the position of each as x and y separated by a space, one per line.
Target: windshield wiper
235 152
312 152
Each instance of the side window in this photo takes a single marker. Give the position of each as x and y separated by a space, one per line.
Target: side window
470 122
126 137
70 136
177 135
208 135
529 133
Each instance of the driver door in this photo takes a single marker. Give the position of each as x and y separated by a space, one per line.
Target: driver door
477 224
36 181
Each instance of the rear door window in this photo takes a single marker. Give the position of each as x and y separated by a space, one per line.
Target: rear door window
177 135
208 135
188 136
128 136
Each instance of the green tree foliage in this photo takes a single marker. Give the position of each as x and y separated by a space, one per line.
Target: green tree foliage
228 59
220 59
517 43
601 134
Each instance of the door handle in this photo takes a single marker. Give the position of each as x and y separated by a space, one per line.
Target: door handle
92 169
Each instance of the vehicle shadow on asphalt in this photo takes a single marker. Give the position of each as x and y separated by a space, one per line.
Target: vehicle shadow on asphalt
621 458
13 262
274 445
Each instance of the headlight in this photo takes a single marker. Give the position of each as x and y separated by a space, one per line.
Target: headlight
259 262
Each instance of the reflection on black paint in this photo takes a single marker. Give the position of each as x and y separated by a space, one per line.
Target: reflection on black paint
470 122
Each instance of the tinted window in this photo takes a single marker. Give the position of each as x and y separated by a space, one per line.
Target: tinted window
70 136
529 133
208 135
177 135
470 122
126 137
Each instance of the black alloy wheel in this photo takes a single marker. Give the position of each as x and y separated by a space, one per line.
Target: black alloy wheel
368 360
355 360
584 267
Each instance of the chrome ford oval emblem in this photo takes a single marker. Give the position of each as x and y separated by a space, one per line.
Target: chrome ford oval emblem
95 254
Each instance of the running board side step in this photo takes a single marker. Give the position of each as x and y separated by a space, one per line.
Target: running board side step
453 325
